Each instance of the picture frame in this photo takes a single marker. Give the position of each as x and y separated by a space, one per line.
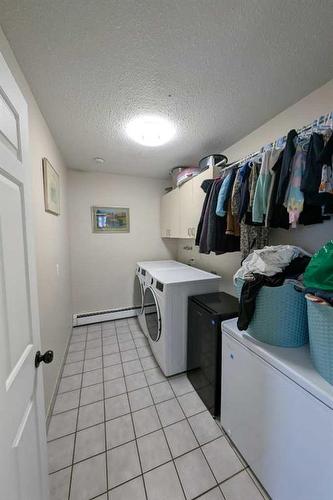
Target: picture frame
110 220
51 188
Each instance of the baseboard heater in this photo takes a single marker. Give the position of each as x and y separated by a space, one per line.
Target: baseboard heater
109 315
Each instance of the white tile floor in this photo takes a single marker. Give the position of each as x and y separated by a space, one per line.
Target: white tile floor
121 431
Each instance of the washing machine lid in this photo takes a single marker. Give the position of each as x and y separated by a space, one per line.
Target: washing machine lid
182 275
152 314
294 362
160 264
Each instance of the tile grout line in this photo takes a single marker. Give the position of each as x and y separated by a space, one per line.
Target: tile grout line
135 438
104 411
76 425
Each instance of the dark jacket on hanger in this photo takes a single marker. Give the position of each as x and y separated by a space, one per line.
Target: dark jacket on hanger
244 190
250 289
288 155
277 214
206 186
213 235
318 155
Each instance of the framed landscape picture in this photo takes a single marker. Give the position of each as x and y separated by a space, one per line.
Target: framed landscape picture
110 220
51 188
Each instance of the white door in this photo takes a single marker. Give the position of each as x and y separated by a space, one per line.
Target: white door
23 457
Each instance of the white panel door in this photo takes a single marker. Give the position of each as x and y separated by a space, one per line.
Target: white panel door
23 457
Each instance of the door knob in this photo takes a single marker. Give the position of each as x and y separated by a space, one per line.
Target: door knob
47 357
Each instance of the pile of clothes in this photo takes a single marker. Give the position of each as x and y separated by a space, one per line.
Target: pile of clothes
283 186
318 277
270 266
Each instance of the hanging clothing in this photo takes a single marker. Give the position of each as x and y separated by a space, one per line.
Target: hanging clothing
244 190
319 154
274 167
277 214
213 235
224 194
288 155
252 238
233 226
312 173
326 183
206 187
235 195
294 199
203 243
253 179
261 197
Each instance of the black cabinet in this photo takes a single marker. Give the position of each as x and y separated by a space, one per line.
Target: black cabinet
205 314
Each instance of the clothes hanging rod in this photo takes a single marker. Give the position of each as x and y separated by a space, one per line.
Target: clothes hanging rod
322 119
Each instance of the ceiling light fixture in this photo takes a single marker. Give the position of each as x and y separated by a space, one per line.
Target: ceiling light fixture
150 130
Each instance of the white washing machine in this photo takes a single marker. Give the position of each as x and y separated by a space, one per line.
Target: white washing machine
165 310
141 271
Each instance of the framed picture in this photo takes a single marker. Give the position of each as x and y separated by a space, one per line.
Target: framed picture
51 188
110 220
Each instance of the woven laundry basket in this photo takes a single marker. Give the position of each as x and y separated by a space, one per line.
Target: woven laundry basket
320 317
280 316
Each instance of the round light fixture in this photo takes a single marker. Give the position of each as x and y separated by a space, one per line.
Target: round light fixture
150 130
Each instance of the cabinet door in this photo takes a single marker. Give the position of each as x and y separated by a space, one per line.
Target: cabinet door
164 216
186 209
174 213
170 214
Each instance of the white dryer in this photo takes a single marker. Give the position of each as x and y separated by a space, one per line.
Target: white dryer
142 268
165 310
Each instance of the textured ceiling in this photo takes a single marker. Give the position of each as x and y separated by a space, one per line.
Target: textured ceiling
218 69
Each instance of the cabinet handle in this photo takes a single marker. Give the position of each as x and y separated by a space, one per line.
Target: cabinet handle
193 232
188 231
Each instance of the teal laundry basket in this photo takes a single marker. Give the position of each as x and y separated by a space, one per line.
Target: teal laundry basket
280 316
320 317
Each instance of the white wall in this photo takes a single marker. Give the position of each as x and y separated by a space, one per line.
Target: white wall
311 237
103 265
51 235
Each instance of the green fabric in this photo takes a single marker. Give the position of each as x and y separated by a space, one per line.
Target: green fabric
319 273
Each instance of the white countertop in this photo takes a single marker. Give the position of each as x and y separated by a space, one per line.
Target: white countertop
294 362
182 275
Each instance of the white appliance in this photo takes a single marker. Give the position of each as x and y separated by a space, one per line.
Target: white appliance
165 311
141 271
279 412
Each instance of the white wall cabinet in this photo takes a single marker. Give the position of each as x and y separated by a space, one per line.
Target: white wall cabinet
181 208
170 215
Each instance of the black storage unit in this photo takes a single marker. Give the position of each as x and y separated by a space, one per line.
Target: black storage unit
205 314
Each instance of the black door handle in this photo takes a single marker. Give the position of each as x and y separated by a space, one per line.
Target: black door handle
47 357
